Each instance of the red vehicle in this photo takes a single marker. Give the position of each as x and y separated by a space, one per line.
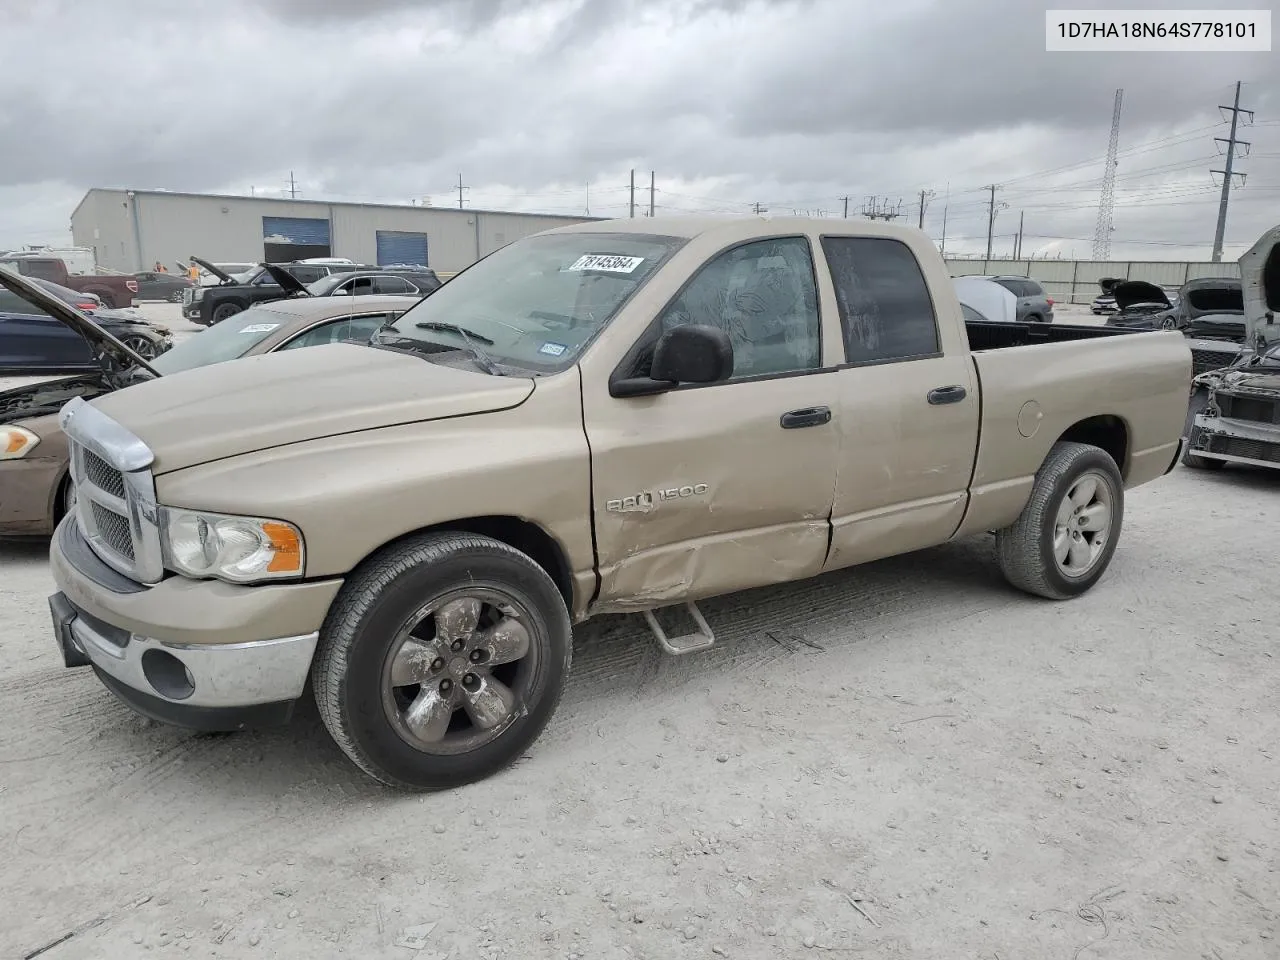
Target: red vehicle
114 291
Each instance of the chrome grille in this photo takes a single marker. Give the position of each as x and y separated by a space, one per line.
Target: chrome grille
113 529
102 475
115 500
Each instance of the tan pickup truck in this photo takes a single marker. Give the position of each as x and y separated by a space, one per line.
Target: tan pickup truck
615 416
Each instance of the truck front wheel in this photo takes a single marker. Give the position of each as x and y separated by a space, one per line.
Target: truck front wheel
1064 539
442 660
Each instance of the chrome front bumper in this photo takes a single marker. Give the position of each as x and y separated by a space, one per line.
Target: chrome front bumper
212 676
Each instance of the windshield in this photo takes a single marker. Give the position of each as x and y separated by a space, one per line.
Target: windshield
227 340
537 302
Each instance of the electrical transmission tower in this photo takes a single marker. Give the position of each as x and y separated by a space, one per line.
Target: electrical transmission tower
877 208
1228 173
1107 203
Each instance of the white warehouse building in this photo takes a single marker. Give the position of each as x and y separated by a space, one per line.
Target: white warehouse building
130 230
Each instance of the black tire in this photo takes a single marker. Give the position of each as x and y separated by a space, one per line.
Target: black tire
1198 404
1034 318
1025 549
362 627
224 310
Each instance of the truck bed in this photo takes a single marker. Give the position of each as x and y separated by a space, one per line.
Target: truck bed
990 335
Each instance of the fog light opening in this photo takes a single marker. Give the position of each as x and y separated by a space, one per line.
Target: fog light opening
167 675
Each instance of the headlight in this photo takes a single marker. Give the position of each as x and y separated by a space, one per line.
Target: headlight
236 549
16 442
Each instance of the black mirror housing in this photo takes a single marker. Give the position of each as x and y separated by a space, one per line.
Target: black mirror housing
693 353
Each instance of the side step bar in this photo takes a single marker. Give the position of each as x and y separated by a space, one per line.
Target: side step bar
702 638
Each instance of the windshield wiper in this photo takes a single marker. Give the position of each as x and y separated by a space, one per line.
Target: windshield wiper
483 360
470 337
463 332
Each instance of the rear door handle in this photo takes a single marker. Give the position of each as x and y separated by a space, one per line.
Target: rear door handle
808 417
952 394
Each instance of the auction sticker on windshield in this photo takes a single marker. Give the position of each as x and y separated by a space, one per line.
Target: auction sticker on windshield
259 328
607 262
553 349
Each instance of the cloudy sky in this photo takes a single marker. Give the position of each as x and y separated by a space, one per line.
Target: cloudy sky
548 104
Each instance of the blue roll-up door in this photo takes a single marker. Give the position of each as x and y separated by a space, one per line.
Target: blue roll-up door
295 231
396 246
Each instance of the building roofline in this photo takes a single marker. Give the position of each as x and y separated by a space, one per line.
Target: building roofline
330 203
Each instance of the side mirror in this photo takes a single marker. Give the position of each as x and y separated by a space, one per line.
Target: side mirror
691 353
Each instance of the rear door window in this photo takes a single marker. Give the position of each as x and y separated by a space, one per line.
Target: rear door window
886 312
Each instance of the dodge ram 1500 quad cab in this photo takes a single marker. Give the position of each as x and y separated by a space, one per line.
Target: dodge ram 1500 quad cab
608 417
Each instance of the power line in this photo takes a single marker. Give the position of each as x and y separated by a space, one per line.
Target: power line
1228 172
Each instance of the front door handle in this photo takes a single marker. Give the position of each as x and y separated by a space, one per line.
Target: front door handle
808 417
952 394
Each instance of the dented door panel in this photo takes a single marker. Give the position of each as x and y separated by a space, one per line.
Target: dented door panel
700 492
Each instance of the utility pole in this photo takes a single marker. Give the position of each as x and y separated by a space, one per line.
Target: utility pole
293 187
1107 202
1017 247
946 205
633 194
846 207
760 208
588 212
991 215
460 189
652 191
925 197
1229 172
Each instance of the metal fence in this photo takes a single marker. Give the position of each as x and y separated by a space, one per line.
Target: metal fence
1076 281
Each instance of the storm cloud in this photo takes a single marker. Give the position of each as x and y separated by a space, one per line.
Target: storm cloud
548 104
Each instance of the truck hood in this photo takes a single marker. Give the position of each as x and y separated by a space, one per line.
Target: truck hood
1202 297
222 275
255 403
1129 293
48 396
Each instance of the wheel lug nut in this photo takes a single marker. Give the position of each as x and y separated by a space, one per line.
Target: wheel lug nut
437 663
477 656
446 685
471 681
456 646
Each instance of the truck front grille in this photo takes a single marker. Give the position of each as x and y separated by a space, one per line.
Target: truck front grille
1249 449
115 504
1256 409
114 530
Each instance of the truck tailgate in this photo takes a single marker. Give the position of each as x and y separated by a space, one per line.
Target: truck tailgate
1138 384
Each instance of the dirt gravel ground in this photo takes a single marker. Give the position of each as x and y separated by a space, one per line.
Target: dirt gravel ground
907 760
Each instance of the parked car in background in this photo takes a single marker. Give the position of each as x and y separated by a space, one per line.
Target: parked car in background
237 292
1142 305
161 286
113 291
33 483
32 341
1034 305
984 300
416 281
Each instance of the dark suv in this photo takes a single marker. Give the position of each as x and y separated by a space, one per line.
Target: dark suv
1034 305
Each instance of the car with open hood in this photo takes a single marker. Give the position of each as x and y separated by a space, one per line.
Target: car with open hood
34 342
34 489
236 292
1234 414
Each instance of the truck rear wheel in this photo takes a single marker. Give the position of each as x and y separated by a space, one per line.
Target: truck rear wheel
1065 537
442 660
